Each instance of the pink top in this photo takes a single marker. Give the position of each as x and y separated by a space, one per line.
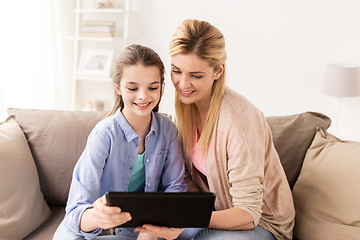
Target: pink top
198 160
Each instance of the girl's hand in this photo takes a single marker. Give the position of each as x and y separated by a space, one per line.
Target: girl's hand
162 232
108 217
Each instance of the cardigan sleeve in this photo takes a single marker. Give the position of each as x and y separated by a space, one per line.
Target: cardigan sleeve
246 149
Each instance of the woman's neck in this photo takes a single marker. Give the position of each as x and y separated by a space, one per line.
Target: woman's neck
202 119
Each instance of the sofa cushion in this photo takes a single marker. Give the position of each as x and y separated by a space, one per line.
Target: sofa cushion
22 205
292 136
47 230
327 194
56 139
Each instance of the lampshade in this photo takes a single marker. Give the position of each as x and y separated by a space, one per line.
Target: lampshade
342 80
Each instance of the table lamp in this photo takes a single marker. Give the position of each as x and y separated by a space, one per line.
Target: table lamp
341 80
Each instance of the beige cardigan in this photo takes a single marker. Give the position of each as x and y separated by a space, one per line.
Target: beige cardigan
243 168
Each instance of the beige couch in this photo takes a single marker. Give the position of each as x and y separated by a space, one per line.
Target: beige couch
39 148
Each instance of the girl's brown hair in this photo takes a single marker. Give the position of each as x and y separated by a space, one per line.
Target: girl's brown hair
132 55
208 43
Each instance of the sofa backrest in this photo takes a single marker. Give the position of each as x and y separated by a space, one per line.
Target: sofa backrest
292 136
56 140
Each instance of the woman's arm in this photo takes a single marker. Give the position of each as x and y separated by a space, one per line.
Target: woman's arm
231 219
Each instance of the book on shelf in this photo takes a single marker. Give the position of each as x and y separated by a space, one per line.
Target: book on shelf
97 34
97 28
98 23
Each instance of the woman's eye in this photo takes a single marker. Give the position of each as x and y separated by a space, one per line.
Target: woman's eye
153 89
132 89
176 71
198 77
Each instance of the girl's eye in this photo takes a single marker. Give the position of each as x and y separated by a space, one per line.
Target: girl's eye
198 77
153 89
132 89
176 71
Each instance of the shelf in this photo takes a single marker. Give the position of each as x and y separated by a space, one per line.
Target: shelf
92 78
103 10
99 39
89 87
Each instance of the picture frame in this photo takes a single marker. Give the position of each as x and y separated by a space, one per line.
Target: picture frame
96 62
105 3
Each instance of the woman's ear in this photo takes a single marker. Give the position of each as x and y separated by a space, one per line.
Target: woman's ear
117 88
220 71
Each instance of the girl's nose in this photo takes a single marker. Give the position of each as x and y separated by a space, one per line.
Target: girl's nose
142 94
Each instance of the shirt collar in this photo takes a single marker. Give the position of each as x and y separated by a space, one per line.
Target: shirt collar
129 132
155 125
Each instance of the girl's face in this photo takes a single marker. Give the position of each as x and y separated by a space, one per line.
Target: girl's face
193 79
140 89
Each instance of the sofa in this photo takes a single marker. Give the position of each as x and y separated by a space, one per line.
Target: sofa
39 148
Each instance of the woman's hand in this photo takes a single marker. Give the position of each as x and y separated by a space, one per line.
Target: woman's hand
162 232
146 236
102 216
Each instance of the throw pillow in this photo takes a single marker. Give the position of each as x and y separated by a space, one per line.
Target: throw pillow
56 139
327 194
292 136
22 205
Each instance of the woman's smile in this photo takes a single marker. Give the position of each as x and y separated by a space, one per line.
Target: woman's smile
186 93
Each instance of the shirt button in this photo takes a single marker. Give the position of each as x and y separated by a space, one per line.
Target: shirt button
147 160
148 184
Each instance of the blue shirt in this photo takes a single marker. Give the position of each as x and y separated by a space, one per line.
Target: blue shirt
108 159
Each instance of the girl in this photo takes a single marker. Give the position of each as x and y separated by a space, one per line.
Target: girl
133 149
227 144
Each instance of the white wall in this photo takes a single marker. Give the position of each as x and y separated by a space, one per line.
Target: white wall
26 55
277 50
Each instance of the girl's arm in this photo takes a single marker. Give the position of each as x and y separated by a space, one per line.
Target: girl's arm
174 167
85 186
102 216
231 219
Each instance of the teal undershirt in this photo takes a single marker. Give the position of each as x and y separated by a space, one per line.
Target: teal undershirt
137 181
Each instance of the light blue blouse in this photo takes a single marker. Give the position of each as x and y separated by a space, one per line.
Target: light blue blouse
108 159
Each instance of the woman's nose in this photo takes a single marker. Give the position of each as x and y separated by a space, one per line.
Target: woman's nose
184 82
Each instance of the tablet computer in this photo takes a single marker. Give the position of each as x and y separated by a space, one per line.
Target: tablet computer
180 209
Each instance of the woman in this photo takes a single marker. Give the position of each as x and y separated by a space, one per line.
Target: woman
227 144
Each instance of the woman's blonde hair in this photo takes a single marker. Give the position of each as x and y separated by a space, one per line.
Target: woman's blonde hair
132 55
208 43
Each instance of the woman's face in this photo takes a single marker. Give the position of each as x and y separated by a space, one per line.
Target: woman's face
193 79
140 89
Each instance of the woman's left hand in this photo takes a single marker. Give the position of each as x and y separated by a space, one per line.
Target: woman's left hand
162 232
146 236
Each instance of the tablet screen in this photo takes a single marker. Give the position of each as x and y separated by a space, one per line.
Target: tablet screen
180 209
